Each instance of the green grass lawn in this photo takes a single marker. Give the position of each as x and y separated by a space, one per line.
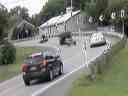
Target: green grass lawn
114 82
8 71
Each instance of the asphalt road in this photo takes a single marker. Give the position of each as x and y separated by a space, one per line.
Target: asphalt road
72 56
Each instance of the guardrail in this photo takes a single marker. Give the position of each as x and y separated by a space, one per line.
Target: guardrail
25 39
88 33
80 33
101 63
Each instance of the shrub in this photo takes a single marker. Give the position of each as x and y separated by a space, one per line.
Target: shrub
7 53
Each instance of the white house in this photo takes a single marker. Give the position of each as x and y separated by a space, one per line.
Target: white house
68 22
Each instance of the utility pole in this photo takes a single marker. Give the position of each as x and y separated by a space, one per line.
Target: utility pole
71 4
71 7
65 4
122 16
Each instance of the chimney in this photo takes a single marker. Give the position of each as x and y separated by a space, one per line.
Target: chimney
69 10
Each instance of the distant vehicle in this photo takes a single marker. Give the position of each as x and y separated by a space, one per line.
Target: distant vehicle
97 39
43 39
43 64
66 39
69 42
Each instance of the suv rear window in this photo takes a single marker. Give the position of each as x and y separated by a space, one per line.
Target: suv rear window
50 53
34 60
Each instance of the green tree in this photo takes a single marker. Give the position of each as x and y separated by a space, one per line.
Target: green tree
35 19
75 4
7 50
116 6
94 8
51 9
3 22
7 53
21 12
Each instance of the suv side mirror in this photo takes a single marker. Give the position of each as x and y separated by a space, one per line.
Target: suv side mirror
56 57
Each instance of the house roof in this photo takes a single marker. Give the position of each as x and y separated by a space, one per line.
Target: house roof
25 23
59 19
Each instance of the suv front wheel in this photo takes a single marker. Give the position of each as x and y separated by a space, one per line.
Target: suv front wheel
61 69
50 75
27 82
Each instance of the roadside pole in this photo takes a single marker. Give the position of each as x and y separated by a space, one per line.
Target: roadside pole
123 26
58 47
85 51
113 17
122 17
83 47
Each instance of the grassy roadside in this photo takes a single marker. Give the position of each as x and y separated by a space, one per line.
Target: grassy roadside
113 83
8 71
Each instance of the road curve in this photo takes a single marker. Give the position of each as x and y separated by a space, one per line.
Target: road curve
73 57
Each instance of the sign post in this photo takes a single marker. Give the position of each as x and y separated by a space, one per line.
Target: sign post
101 18
113 16
122 16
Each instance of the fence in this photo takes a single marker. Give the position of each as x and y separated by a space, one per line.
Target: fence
101 63
105 30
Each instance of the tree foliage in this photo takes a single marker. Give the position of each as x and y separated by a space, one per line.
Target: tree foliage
94 8
22 12
116 6
3 22
53 8
7 53
75 4
7 50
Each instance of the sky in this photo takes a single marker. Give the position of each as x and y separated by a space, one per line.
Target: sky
33 6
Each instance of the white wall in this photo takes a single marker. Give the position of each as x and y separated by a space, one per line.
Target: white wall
71 25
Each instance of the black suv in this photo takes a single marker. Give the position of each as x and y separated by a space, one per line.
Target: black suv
66 39
45 63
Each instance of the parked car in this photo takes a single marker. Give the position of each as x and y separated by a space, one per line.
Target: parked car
43 39
66 39
97 39
45 63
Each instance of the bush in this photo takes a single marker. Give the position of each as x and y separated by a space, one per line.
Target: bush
100 64
7 53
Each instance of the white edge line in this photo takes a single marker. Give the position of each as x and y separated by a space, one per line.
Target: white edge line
60 79
9 80
15 77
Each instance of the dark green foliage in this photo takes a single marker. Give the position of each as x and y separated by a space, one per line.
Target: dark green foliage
94 8
22 12
3 22
7 53
75 4
117 6
24 30
51 9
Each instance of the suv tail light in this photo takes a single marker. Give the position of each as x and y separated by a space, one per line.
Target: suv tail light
24 67
45 62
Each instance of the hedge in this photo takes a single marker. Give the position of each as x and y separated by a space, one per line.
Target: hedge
7 53
101 63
